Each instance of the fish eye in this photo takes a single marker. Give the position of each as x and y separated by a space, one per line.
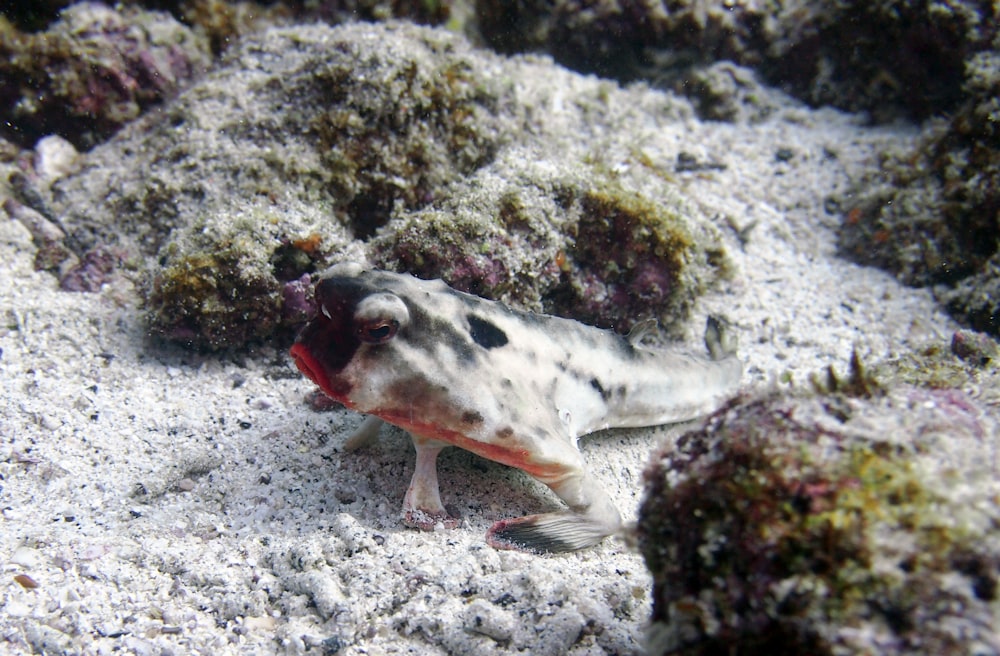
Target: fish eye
378 332
378 317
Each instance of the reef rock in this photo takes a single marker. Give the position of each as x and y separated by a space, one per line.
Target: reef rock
828 525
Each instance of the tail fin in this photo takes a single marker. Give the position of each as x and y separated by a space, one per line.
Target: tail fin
720 339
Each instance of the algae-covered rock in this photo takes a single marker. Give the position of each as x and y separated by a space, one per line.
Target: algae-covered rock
886 57
976 300
727 92
232 277
828 525
969 360
632 256
92 71
932 215
344 124
402 130
576 244
351 119
312 144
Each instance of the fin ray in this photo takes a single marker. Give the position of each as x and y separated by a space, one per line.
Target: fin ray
548 533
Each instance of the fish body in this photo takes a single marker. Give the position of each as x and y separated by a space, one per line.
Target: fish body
514 387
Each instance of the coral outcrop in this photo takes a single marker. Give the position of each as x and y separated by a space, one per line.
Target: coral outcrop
827 525
394 143
92 71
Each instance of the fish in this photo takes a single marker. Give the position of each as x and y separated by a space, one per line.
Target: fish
515 387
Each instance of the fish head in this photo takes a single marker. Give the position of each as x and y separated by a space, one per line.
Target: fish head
352 342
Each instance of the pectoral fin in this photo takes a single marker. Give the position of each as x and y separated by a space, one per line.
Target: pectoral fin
366 433
590 518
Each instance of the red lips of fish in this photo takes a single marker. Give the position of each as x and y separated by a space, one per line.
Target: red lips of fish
313 369
322 350
308 365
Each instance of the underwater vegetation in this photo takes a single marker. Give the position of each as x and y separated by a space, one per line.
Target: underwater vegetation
791 524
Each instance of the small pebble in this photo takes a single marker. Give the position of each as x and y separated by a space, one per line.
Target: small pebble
25 557
264 623
54 158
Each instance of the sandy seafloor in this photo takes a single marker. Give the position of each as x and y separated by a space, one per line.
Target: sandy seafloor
168 502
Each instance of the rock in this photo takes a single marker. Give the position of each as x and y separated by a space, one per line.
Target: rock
826 525
930 215
403 146
92 71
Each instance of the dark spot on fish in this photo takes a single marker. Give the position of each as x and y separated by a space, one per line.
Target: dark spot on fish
505 433
596 384
429 332
472 417
485 333
562 366
620 391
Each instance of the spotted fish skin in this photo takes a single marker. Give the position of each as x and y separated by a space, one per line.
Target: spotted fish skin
514 387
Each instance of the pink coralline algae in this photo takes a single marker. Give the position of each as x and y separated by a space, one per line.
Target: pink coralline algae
975 348
93 270
297 304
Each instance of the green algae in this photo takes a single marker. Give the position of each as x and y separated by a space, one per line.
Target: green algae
221 286
628 255
214 299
